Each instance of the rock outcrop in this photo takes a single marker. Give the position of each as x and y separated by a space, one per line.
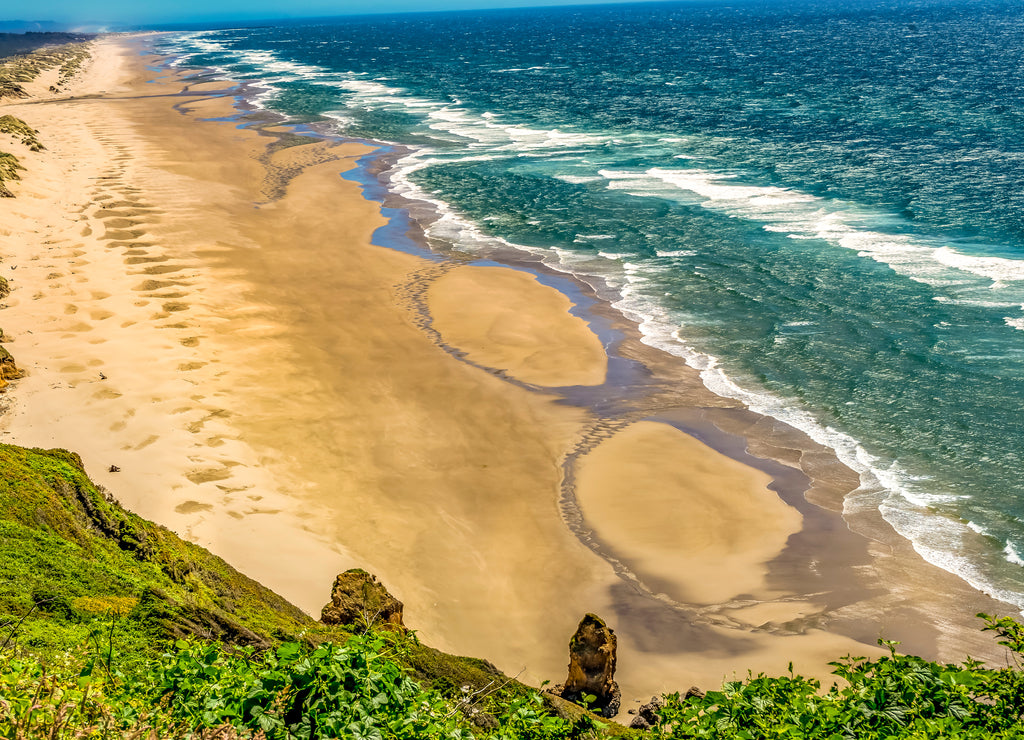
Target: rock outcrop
592 667
8 369
358 598
647 715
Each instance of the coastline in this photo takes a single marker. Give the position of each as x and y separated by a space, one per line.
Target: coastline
329 424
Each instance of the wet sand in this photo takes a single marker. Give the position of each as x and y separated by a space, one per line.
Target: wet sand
200 304
700 525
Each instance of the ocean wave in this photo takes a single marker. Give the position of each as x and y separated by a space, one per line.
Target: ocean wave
577 179
1012 555
801 215
998 269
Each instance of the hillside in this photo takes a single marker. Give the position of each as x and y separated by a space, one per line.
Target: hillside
71 554
90 588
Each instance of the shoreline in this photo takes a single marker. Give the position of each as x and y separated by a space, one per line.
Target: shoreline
657 638
869 534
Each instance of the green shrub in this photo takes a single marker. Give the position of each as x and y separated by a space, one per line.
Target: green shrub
358 690
896 696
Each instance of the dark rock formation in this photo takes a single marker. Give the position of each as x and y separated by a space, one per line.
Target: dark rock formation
647 714
358 598
8 369
592 667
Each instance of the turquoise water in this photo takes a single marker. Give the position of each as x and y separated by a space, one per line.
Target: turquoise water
819 207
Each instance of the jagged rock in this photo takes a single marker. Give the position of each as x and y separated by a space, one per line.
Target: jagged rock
358 598
693 692
8 369
647 714
592 667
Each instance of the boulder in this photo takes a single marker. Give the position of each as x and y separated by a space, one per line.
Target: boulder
592 667
8 369
359 599
647 714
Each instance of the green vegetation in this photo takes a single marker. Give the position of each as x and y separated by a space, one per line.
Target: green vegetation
113 627
357 690
896 696
21 131
9 166
359 687
71 554
17 70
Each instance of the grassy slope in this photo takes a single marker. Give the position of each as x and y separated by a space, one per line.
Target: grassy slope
73 559
72 555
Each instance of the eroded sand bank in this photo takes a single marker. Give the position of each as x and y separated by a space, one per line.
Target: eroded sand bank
200 305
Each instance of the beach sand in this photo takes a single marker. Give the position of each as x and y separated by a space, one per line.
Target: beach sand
700 525
199 304
505 319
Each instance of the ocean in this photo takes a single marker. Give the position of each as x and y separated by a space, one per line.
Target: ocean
818 205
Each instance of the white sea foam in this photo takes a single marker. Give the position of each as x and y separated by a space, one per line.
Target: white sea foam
995 268
341 120
676 253
578 179
1012 555
803 216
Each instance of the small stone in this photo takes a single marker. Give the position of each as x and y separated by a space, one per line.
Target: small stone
114 469
647 714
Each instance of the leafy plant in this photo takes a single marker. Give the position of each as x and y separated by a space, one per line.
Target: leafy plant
354 690
895 696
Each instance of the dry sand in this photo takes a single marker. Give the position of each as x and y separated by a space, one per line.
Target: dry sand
201 306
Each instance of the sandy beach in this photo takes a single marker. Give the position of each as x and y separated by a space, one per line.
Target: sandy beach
198 304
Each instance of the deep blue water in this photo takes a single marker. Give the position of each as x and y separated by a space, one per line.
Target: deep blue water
819 205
